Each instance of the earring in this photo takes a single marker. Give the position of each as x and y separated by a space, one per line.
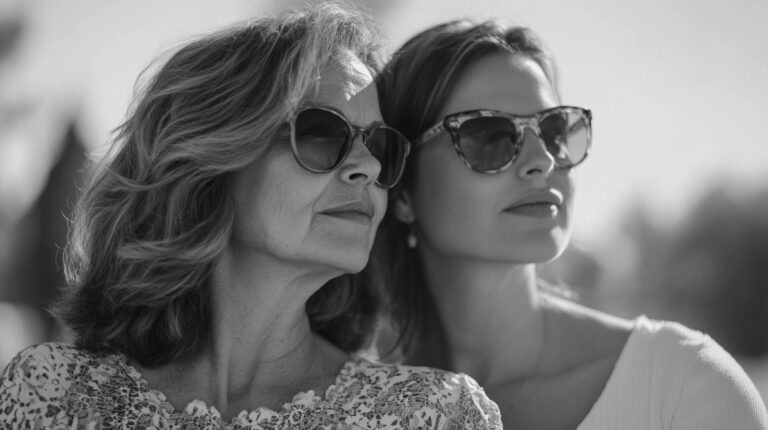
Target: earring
411 240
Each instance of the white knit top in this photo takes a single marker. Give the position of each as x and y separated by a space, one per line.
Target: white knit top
672 377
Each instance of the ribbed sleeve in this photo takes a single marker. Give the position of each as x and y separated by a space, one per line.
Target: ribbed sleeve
716 393
670 377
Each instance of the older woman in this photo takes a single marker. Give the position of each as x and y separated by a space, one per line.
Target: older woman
206 269
488 194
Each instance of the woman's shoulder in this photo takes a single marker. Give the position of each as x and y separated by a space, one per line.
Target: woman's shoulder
36 380
433 397
56 363
53 352
690 354
673 343
40 364
52 383
702 385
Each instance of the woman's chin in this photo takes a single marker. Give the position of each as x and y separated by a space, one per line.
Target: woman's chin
347 264
539 251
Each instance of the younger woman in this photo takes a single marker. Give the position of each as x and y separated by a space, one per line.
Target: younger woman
487 194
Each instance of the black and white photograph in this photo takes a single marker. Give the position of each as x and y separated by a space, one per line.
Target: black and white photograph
402 214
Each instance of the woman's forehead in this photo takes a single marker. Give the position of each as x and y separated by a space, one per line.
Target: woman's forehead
347 84
343 78
510 82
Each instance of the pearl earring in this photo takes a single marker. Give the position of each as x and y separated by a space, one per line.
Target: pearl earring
411 240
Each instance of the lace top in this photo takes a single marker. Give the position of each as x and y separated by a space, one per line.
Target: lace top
53 385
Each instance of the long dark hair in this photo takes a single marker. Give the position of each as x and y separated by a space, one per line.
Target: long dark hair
157 213
413 89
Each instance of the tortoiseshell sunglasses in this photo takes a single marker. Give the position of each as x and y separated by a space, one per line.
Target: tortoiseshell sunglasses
489 141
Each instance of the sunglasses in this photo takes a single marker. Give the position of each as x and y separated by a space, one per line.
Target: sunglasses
489 141
321 139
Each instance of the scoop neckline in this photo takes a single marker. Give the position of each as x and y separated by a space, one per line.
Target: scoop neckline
639 324
306 398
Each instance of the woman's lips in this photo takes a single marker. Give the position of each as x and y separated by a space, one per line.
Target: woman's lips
536 210
537 204
360 211
359 217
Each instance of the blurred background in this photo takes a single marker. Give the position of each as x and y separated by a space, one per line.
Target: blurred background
672 205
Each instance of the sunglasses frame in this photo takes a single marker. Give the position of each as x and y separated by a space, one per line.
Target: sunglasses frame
453 122
352 133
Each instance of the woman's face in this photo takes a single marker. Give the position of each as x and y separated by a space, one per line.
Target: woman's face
316 220
463 213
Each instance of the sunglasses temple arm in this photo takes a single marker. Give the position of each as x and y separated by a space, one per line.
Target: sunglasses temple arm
429 134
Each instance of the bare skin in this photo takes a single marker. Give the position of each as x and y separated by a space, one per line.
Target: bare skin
576 362
533 353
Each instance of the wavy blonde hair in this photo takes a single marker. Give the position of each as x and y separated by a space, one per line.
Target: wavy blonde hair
157 213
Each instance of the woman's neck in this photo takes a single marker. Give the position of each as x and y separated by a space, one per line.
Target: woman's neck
262 349
490 312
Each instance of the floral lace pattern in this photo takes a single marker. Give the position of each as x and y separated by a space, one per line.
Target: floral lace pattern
58 386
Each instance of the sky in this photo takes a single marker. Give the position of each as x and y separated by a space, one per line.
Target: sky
677 87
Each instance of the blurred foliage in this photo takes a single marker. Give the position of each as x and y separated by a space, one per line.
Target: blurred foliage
709 272
11 30
32 273
714 271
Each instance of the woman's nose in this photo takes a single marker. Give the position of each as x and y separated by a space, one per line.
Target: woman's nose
534 159
360 165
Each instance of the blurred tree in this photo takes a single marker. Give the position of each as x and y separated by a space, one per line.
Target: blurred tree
719 266
42 232
11 28
710 272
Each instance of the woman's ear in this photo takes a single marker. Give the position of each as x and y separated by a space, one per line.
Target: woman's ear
403 209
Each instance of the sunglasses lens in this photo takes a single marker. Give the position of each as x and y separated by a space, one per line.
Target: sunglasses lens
566 134
488 143
389 147
321 139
